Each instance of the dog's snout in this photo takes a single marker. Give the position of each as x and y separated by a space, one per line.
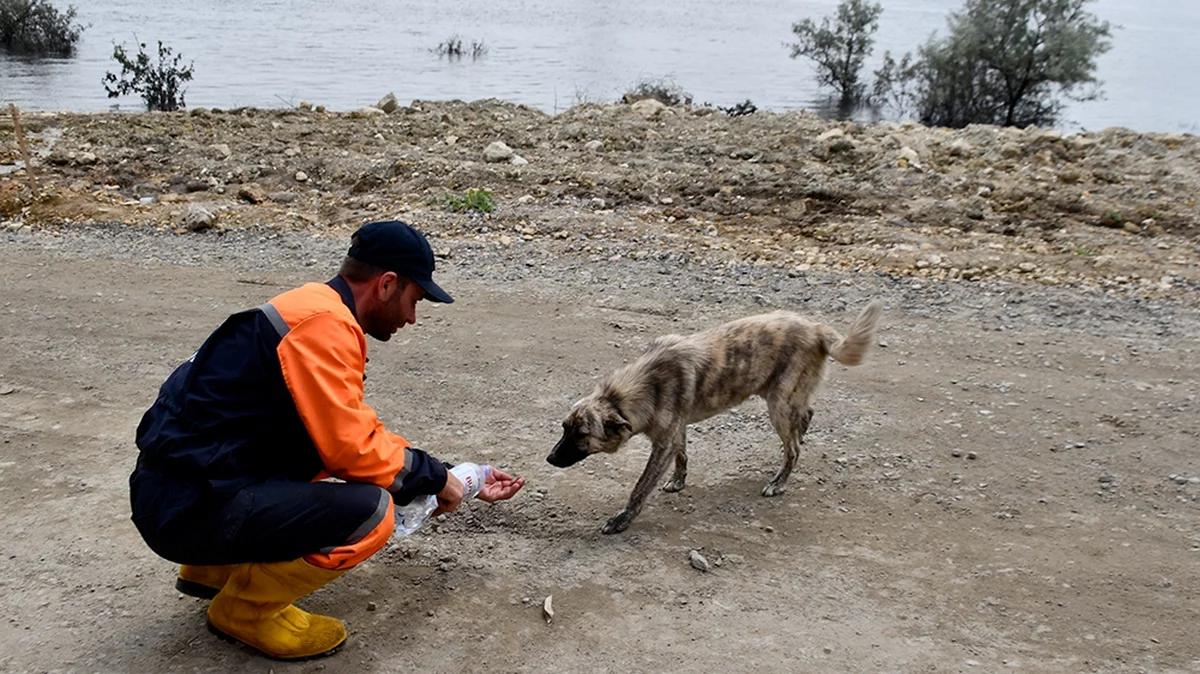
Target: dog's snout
565 454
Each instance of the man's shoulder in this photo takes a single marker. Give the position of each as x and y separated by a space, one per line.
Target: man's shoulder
311 301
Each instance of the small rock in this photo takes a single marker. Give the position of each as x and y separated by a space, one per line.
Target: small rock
498 151
594 145
305 106
7 389
698 561
956 453
388 103
252 194
548 609
221 150
86 159
369 111
648 107
198 218
282 197
301 177
598 203
526 199
971 456
518 160
908 157
960 148
371 606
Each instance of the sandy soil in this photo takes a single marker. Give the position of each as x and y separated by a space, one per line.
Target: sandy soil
1009 483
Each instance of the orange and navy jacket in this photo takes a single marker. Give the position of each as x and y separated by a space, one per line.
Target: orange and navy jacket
276 393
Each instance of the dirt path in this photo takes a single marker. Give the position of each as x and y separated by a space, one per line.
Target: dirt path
1064 545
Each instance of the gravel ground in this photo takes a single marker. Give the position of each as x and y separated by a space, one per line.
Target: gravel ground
1009 482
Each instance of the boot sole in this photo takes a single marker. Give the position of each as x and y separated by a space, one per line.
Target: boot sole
194 589
234 640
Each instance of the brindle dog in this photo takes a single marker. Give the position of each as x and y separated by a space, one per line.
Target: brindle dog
680 380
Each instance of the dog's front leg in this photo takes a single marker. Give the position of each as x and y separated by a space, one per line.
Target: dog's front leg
679 477
661 454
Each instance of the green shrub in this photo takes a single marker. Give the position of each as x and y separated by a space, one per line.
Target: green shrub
662 90
838 47
1005 62
159 84
472 200
37 28
453 48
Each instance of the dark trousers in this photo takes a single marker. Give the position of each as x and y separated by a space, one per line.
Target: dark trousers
259 522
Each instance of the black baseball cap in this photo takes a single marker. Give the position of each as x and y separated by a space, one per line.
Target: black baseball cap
396 246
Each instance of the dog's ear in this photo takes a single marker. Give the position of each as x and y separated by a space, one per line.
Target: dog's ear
616 425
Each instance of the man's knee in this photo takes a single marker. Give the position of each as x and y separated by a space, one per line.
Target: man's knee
375 527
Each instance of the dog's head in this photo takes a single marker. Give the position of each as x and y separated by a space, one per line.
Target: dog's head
593 425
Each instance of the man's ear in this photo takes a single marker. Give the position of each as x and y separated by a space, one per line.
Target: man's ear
387 285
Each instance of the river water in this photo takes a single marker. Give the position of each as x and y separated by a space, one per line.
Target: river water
553 53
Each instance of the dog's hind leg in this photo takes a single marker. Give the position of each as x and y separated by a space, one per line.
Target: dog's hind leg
679 478
661 454
790 424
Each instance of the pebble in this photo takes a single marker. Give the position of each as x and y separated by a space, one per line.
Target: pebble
698 561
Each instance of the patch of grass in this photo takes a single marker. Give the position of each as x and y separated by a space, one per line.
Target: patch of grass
453 48
472 200
1084 251
742 109
1112 219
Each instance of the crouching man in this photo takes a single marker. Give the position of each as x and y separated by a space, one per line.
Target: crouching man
234 451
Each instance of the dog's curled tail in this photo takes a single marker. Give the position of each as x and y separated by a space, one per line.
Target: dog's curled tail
850 349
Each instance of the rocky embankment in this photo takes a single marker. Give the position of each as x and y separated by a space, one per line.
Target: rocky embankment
1113 210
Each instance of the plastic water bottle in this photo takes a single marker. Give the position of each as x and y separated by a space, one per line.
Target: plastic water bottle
411 517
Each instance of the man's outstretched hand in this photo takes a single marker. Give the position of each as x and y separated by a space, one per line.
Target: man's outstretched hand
500 486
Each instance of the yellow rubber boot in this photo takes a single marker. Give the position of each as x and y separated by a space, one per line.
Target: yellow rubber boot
255 608
203 582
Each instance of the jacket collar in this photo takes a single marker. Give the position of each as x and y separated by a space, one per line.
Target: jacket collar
343 290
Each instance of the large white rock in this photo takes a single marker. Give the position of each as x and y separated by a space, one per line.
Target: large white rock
498 151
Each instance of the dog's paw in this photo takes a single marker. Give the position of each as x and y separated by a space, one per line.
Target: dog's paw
618 523
673 485
773 489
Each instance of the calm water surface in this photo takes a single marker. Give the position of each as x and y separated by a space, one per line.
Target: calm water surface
554 53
